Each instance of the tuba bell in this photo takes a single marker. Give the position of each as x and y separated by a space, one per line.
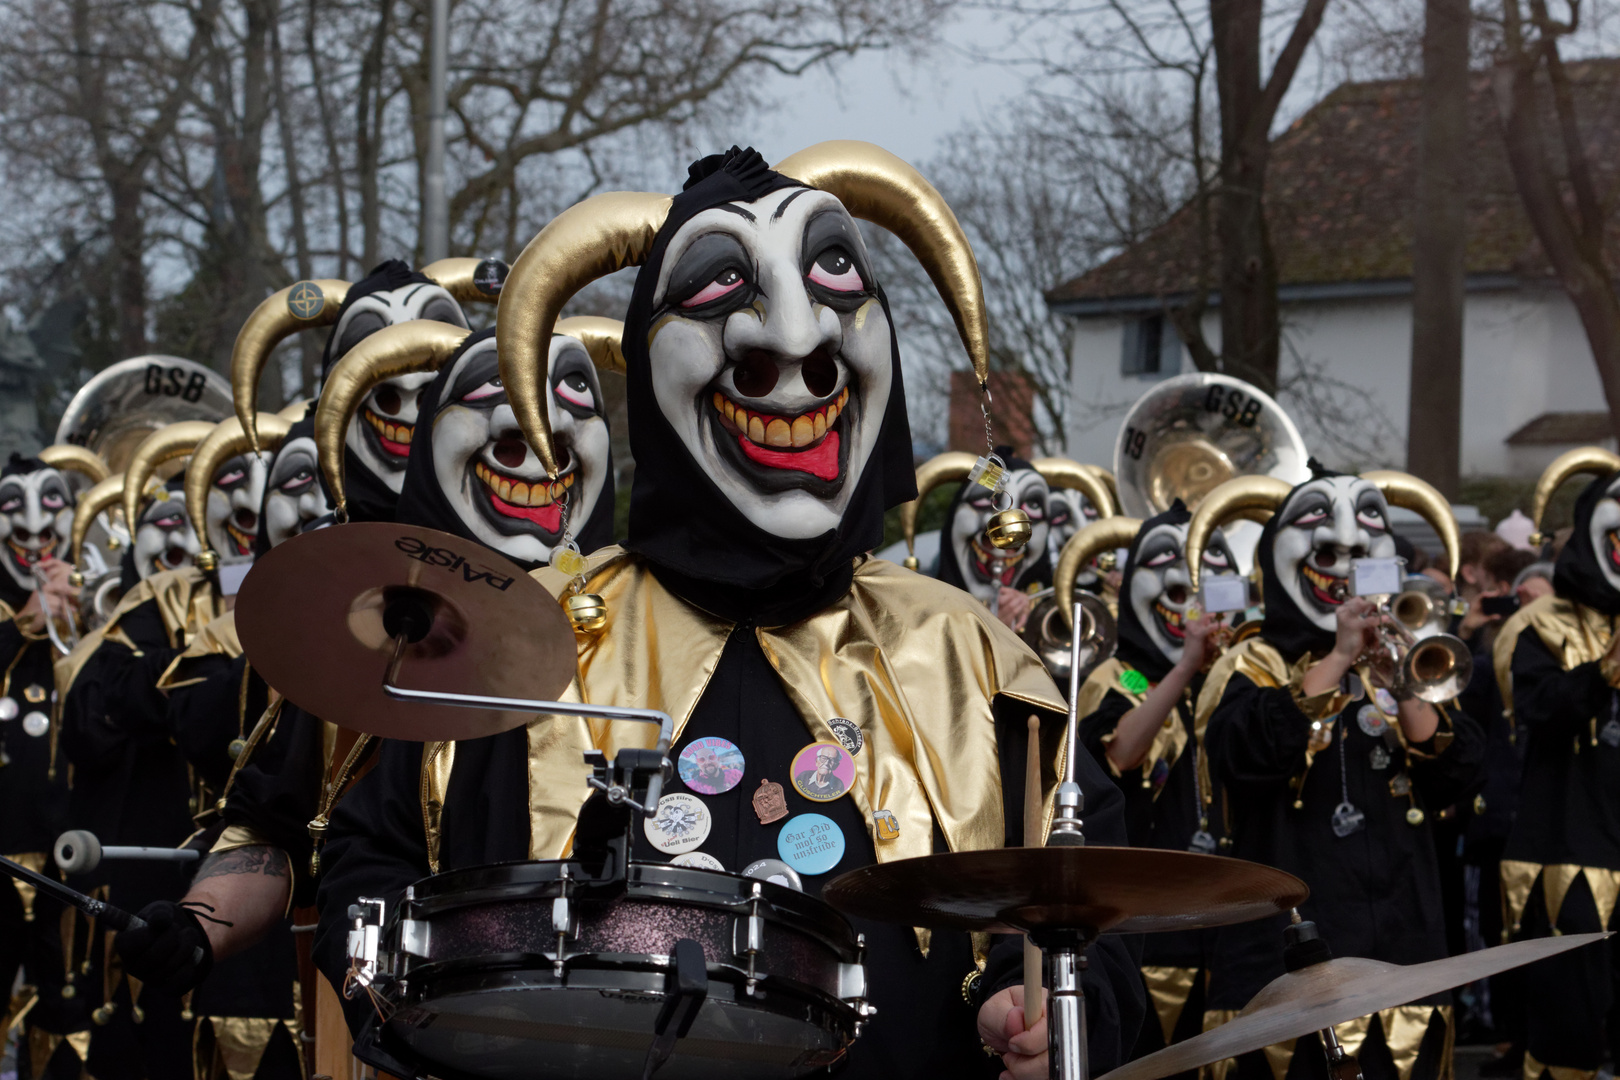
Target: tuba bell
128 401
1192 433
1047 629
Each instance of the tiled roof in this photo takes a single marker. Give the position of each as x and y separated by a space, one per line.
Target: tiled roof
1559 428
1342 188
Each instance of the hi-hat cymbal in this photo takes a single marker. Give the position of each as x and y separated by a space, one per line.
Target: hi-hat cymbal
1094 889
1336 992
310 618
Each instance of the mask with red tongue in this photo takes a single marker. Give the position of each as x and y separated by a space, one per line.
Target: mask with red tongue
967 558
472 474
767 415
36 520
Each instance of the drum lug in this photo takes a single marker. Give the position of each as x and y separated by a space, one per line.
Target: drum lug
364 934
415 936
748 939
562 922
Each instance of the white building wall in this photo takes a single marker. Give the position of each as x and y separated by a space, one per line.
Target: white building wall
1346 378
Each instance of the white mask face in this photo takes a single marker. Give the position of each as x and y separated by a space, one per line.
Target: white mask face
294 497
1323 525
488 472
233 508
1068 511
1160 588
36 519
771 356
380 433
164 539
1605 534
985 567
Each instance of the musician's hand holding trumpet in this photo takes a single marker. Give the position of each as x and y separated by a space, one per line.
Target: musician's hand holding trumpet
1361 641
56 593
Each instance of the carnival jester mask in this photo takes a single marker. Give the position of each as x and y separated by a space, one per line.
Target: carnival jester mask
1067 512
1160 588
488 473
293 494
234 500
164 539
36 516
1326 523
380 434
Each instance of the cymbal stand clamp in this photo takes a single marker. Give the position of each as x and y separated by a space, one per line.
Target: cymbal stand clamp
1066 824
1063 956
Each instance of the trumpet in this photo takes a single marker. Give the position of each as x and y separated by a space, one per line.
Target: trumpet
1429 664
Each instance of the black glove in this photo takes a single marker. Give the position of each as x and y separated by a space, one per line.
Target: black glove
171 951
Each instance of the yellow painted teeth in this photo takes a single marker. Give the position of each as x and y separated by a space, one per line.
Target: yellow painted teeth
766 430
394 433
518 493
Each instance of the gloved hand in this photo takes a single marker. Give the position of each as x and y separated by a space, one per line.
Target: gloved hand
171 951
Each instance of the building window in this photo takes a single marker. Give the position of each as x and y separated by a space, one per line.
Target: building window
1151 347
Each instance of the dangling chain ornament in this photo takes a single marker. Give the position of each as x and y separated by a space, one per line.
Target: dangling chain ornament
586 611
1009 528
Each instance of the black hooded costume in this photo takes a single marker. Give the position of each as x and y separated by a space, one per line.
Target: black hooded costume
33 812
1567 833
1166 803
729 596
1375 892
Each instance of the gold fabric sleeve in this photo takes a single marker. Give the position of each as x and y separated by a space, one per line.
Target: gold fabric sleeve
438 758
1255 659
217 638
1573 633
239 836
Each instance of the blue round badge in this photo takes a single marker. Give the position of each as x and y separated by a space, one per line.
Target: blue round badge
810 843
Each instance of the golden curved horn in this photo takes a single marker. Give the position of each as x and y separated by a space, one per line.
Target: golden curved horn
1583 459
589 240
295 412
226 441
1064 473
103 495
302 305
402 349
937 470
1404 489
603 339
1104 534
1108 479
1241 496
79 459
164 444
878 187
455 276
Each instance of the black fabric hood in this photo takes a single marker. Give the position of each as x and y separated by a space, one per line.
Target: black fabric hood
18 465
679 519
1578 575
422 501
384 277
1037 566
1136 646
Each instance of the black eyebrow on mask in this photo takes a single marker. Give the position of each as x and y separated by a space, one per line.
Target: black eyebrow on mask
414 291
739 211
785 203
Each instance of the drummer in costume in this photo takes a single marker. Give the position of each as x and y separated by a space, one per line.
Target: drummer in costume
1556 660
36 514
295 767
1137 711
1332 787
769 431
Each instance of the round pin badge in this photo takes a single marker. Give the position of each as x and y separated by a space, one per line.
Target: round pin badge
776 872
9 708
36 723
1386 701
822 771
810 843
700 860
848 734
681 824
711 765
1133 682
1371 721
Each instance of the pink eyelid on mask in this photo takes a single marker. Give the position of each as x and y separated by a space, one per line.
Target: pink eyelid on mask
489 389
568 394
848 281
714 290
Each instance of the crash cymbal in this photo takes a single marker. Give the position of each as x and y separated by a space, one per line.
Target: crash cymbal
1335 992
1094 889
310 618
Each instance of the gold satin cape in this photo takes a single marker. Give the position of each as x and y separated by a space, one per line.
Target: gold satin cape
913 662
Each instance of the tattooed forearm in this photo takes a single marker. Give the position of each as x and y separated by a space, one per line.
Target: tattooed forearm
254 859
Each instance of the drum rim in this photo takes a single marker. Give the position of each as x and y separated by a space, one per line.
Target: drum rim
477 885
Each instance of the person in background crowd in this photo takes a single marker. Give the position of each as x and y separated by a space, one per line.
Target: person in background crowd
1533 582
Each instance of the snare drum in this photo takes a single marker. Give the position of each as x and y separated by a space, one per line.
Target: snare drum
513 972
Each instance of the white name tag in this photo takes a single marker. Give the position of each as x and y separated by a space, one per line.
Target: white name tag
1224 592
1375 577
230 577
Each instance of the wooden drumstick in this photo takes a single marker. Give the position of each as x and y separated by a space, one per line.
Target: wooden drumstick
1034 997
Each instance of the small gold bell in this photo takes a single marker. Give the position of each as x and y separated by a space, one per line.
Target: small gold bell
236 748
587 611
207 561
910 562
102 1014
137 1014
1009 530
69 992
76 580
1414 816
